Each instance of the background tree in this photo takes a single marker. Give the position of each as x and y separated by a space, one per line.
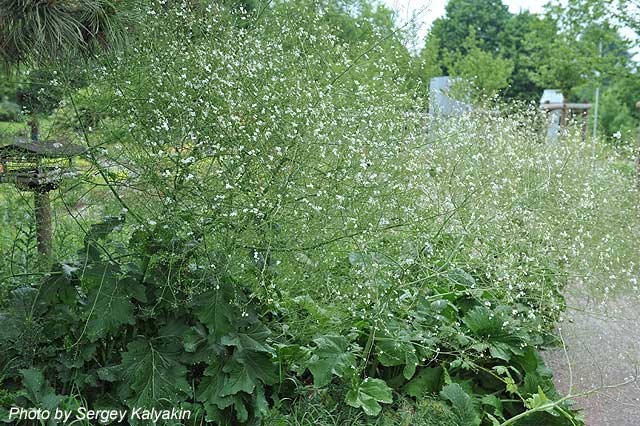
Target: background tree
428 64
487 18
41 34
575 43
497 32
513 46
487 73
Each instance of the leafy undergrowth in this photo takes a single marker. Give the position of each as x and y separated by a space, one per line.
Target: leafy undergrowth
111 332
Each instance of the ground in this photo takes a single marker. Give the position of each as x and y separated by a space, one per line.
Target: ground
603 348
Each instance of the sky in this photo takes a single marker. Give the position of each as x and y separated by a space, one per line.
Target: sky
435 8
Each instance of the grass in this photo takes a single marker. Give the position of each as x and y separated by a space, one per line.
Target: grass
12 129
9 128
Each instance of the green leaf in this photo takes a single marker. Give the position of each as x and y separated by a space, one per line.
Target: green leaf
261 405
482 322
494 402
536 373
537 400
14 320
397 350
460 277
39 392
489 325
253 339
238 380
540 418
153 374
228 383
211 388
241 411
253 353
500 351
216 310
109 301
462 404
411 363
109 374
259 366
199 345
368 395
100 231
330 357
58 288
428 380
193 338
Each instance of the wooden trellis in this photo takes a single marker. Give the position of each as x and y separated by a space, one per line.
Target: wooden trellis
568 111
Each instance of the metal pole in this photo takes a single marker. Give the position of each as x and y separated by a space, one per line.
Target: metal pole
638 154
595 112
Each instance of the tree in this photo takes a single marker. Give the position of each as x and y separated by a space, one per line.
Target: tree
487 73
38 32
427 64
497 32
629 12
514 47
487 18
44 31
565 45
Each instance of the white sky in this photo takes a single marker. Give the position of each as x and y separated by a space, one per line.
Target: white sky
435 8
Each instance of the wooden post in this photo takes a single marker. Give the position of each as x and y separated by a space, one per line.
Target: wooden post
585 118
35 128
43 220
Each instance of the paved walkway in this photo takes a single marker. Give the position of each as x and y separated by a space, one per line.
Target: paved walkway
603 347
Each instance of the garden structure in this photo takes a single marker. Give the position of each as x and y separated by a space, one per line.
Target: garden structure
566 112
38 166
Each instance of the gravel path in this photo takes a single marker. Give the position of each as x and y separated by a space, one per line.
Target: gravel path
603 347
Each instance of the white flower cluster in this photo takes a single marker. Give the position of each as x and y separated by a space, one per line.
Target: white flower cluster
280 141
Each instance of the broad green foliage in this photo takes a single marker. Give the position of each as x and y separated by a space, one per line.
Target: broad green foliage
577 43
369 394
483 41
153 373
330 358
462 404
